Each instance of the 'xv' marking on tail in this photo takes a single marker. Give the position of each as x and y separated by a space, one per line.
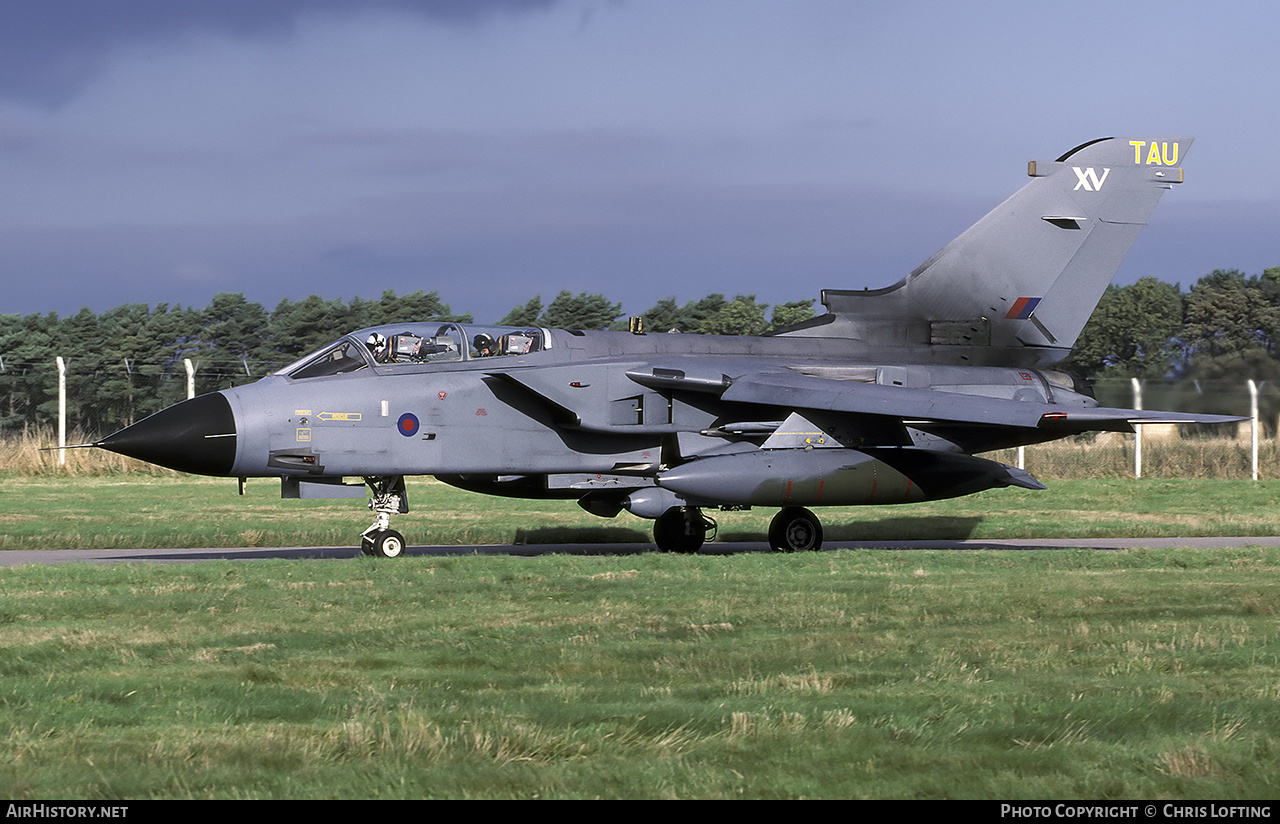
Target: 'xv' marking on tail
1088 179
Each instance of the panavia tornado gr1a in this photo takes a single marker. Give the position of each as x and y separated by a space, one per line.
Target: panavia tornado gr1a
885 399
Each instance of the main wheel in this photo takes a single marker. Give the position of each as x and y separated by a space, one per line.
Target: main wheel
680 529
387 544
795 529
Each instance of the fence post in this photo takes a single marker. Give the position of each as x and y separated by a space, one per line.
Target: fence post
62 411
1253 426
1137 430
191 378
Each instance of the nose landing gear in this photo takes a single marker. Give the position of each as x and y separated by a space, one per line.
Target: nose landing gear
389 497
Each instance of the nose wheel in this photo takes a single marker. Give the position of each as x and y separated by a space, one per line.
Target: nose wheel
384 544
389 497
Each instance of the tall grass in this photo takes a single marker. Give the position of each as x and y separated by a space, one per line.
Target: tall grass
33 452
1112 456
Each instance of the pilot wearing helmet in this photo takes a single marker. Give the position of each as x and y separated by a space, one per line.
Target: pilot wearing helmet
378 346
485 345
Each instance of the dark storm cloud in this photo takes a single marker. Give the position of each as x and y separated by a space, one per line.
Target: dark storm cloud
166 150
50 48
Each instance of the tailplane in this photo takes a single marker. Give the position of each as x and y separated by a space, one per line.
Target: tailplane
1019 285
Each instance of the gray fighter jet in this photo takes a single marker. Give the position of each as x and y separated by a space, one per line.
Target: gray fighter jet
886 399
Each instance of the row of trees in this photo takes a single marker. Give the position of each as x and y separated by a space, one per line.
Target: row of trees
126 363
712 315
1226 327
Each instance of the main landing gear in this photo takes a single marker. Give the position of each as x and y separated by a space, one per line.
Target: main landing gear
682 529
389 497
795 529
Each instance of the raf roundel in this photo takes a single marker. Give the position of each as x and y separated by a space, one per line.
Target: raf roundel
408 424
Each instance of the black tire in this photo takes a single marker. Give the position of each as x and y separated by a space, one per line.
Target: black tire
680 529
388 544
795 529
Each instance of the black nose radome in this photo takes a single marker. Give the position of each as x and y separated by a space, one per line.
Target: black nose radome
196 435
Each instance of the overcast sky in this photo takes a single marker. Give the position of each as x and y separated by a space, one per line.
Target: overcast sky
156 151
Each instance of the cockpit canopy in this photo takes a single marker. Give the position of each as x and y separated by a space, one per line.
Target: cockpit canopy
418 343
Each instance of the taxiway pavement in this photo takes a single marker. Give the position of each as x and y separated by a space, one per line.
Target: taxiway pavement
15 557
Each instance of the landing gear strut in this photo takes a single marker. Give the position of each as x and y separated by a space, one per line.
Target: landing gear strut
682 529
389 497
795 529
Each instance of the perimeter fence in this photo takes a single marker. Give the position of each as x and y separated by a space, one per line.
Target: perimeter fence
100 396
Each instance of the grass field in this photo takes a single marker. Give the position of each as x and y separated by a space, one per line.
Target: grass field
148 511
846 674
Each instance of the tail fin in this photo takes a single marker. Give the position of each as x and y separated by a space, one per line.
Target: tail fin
1023 280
